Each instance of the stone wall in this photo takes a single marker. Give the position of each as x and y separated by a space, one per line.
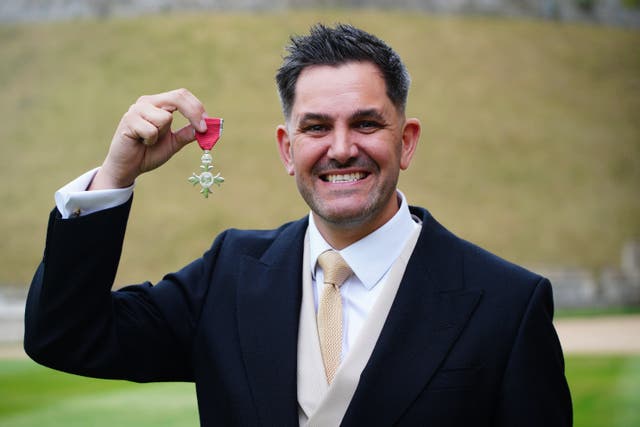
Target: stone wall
609 12
612 287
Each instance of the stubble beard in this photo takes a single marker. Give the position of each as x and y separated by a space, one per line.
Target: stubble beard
376 202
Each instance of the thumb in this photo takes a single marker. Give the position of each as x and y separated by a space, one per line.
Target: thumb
184 136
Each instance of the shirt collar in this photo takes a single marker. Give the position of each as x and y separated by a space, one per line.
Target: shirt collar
372 256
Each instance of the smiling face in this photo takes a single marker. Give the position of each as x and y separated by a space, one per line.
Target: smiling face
345 143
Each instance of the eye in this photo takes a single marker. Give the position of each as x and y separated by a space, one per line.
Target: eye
368 126
315 129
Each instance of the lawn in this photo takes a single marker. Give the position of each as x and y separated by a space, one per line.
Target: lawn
32 395
606 392
531 141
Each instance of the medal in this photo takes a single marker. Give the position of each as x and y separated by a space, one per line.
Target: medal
206 141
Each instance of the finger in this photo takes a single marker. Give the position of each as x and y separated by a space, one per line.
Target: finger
183 101
137 128
159 117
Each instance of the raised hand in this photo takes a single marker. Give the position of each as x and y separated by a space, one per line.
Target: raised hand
144 139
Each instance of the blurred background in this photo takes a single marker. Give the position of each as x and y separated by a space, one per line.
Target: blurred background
530 148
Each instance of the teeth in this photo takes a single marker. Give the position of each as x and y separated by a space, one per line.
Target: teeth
349 177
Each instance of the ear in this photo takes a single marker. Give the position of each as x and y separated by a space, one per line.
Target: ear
410 137
284 148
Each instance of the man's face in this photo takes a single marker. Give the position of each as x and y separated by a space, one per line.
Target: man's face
345 143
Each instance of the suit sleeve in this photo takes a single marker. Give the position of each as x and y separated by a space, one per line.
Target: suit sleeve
534 389
75 323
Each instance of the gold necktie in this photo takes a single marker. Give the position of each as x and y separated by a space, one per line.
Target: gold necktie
335 271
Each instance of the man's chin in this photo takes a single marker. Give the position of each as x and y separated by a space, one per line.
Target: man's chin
345 217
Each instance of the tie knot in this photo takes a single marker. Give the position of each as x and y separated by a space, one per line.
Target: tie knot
334 267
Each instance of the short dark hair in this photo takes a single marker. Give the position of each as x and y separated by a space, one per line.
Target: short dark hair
337 46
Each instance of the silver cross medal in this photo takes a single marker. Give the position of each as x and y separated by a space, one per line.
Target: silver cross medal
206 141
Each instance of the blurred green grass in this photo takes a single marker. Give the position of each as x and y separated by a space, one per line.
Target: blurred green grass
596 311
605 392
531 142
32 395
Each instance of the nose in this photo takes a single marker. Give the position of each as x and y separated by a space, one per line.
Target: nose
343 146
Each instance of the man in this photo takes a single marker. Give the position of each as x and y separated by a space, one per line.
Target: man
422 328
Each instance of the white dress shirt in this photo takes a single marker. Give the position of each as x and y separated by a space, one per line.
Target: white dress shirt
74 200
370 259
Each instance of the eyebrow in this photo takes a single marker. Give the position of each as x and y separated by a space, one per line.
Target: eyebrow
371 113
314 117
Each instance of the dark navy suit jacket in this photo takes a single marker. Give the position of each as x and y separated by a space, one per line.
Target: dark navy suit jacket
469 339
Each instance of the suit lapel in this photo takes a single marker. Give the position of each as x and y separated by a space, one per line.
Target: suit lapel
268 309
430 310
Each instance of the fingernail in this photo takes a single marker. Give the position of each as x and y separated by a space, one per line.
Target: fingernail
203 126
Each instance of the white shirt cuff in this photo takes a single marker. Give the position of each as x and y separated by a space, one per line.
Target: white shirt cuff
74 200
